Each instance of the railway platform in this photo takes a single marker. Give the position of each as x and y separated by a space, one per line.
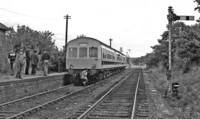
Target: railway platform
12 88
8 77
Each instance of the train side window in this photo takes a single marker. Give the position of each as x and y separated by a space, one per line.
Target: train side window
104 53
118 55
93 51
73 52
108 55
82 52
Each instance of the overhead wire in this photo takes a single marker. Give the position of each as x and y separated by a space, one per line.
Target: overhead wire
25 14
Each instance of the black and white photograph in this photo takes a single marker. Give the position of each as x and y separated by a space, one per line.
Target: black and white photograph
99 59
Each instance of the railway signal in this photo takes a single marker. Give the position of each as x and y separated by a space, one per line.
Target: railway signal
172 17
185 18
175 18
175 86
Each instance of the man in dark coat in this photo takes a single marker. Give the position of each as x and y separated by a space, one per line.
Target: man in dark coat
34 62
45 59
11 57
28 59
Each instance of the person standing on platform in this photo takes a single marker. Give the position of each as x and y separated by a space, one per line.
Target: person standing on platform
11 60
28 59
34 62
20 60
45 60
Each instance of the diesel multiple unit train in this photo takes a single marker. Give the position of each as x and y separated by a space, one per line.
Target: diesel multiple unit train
99 59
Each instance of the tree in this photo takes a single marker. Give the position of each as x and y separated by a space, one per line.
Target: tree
185 46
151 60
198 5
24 36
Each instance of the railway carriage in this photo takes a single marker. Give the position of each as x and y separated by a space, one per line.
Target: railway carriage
100 59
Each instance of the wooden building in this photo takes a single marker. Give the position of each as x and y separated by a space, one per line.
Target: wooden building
4 66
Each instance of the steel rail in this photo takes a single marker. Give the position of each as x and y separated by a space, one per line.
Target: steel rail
33 96
86 113
48 103
135 99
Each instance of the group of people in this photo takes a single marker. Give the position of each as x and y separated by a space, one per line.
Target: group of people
29 57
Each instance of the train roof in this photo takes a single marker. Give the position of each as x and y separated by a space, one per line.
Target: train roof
97 41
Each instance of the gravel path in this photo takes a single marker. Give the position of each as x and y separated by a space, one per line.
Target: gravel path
158 108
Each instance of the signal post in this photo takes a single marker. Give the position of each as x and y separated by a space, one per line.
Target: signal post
172 17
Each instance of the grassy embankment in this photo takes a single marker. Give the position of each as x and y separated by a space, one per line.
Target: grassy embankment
188 105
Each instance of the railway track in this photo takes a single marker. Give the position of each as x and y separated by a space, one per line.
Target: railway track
118 103
142 106
26 106
17 106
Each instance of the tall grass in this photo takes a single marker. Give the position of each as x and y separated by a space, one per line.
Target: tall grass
189 90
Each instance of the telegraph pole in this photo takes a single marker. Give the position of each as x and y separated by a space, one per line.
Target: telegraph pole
66 33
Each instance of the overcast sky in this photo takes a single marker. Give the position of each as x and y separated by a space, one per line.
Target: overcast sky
132 24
